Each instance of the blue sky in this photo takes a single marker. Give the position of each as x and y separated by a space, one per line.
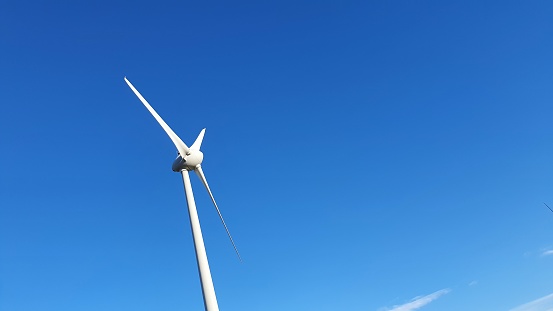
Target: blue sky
366 156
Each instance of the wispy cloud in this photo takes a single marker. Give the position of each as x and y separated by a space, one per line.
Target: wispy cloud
473 283
541 304
419 302
547 252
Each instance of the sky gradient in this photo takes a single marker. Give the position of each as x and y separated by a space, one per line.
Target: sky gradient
367 156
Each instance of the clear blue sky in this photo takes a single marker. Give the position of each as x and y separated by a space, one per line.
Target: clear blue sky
367 156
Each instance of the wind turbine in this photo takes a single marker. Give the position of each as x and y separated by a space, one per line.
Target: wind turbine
190 159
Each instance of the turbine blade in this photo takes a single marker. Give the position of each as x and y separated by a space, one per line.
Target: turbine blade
198 142
200 174
181 146
548 207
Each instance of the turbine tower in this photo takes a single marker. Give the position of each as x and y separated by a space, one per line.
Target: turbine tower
190 159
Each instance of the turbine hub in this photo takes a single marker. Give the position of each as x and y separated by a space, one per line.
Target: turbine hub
189 162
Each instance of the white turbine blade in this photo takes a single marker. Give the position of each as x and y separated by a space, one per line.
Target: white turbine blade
198 142
181 146
200 174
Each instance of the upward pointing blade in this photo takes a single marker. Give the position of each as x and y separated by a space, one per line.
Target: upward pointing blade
198 142
200 174
181 146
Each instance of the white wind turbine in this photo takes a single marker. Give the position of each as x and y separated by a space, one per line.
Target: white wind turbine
190 159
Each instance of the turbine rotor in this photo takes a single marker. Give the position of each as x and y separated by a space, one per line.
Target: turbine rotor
189 162
192 159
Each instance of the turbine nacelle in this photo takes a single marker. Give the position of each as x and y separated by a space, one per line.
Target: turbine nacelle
190 162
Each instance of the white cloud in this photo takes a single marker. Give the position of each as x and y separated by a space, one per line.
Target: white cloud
541 304
547 252
473 283
419 302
